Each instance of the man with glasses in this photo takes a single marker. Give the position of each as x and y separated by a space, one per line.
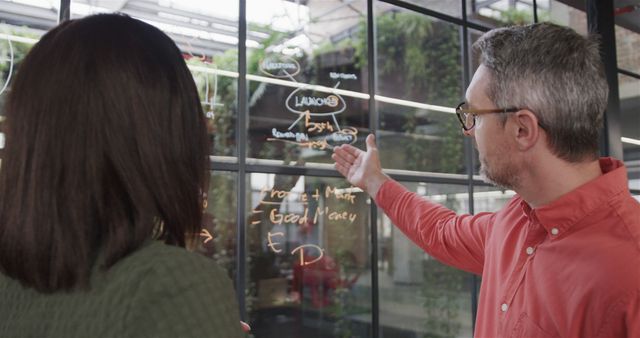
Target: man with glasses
562 258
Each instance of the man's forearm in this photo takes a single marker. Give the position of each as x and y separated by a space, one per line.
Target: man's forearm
374 182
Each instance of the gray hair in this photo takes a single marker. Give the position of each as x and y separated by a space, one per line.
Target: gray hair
557 74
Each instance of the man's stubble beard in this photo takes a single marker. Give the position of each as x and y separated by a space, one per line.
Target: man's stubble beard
503 175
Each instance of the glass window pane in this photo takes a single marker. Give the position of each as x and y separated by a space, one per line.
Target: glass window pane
219 228
420 140
474 63
15 43
500 13
629 89
18 33
490 199
40 15
419 82
419 296
307 80
564 15
308 268
419 58
207 35
627 47
453 8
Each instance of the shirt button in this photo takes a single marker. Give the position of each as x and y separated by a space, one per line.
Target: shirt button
555 231
530 251
504 307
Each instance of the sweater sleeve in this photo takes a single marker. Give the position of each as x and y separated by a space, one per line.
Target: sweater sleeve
454 240
185 296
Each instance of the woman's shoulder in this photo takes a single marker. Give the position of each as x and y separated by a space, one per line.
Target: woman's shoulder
180 293
158 260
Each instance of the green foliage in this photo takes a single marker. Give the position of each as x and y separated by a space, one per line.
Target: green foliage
20 49
514 16
256 55
425 53
222 90
401 39
340 311
443 299
452 146
220 220
328 47
419 59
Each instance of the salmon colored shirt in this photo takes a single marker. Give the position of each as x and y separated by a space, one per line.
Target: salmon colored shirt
570 268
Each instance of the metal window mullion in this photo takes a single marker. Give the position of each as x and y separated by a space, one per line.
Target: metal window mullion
468 152
321 172
241 142
601 20
373 127
435 14
629 73
64 13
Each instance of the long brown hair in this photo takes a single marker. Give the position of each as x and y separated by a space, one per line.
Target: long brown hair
105 140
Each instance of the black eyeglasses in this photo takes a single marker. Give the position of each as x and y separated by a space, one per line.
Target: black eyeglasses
468 116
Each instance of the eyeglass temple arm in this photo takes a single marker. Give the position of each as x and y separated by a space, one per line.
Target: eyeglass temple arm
486 111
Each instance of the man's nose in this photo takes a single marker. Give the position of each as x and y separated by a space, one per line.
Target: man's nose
469 133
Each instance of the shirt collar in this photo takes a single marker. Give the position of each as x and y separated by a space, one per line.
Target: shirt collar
558 216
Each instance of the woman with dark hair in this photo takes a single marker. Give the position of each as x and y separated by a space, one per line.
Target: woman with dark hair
101 189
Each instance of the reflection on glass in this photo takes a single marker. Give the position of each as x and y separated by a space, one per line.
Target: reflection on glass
308 265
419 296
501 12
15 43
219 228
218 98
208 36
629 89
420 140
419 60
307 80
564 15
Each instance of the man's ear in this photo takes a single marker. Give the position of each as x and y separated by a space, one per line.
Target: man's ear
526 129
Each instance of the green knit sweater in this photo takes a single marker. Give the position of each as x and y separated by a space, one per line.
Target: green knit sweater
157 291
